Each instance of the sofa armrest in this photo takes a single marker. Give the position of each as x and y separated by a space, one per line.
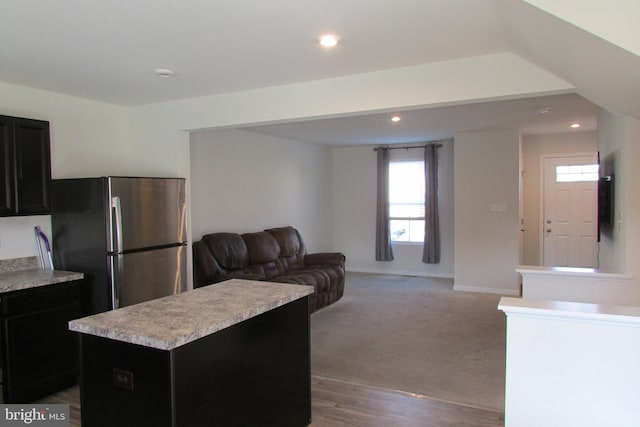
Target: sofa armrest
205 268
325 258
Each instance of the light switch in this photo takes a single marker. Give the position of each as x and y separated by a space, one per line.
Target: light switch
498 207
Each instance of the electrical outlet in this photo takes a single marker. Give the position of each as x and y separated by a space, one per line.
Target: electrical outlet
122 378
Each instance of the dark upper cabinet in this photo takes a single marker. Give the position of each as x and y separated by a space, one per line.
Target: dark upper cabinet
25 162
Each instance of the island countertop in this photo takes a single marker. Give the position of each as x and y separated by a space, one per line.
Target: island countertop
170 322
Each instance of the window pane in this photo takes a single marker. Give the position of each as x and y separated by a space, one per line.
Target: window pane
399 230
406 210
591 168
405 230
416 231
577 173
406 182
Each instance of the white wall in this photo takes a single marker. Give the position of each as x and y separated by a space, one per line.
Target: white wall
618 138
486 211
355 215
88 138
533 147
244 182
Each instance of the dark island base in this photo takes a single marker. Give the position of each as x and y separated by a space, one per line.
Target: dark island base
255 373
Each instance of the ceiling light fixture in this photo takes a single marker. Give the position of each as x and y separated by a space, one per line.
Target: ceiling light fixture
543 109
396 118
328 40
164 72
575 125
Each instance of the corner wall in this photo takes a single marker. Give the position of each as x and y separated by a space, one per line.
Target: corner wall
486 211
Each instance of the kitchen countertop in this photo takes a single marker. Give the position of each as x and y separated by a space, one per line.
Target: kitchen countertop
26 279
170 322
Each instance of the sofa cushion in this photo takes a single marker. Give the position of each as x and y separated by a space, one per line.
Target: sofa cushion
263 247
229 249
289 241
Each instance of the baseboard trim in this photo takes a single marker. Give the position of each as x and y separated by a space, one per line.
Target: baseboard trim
499 291
477 289
401 273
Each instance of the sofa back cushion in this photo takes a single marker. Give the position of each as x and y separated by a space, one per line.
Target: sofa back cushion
292 249
262 246
264 250
229 249
289 240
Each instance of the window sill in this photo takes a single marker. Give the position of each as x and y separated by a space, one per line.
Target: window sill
407 243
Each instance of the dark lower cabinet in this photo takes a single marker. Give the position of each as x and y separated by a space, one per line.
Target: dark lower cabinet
39 353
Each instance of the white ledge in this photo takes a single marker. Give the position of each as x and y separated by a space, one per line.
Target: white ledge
575 272
522 307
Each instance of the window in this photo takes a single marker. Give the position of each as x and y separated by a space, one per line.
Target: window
577 173
406 201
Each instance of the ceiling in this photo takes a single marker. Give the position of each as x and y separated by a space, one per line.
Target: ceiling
431 124
108 51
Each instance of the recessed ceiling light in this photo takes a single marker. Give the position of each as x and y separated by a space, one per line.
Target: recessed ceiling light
164 72
328 40
396 118
575 125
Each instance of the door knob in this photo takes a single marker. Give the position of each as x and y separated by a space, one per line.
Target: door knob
548 230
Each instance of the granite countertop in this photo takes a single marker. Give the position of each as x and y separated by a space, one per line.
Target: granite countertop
34 277
23 273
170 322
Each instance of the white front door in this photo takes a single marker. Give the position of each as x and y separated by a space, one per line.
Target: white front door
569 213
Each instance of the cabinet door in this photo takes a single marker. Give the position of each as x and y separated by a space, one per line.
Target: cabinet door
6 166
42 358
40 353
32 166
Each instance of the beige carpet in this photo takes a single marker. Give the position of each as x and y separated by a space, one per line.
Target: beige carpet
415 335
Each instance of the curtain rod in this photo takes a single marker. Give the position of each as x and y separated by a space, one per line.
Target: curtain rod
405 147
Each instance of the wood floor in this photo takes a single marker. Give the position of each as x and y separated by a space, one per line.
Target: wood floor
337 403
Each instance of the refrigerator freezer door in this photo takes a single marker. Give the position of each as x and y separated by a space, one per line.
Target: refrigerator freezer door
152 211
147 275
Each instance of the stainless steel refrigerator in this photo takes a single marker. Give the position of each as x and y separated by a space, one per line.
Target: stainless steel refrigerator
126 234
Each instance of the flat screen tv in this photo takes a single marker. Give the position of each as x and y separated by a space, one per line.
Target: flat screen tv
605 202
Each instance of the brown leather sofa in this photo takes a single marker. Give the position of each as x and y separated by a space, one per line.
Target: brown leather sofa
276 255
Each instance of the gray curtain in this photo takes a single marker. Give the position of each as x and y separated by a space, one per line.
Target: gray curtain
431 249
383 234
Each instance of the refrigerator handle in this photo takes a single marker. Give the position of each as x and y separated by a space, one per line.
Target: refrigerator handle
116 280
117 223
116 260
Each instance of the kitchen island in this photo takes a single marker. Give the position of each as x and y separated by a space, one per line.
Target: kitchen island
231 354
